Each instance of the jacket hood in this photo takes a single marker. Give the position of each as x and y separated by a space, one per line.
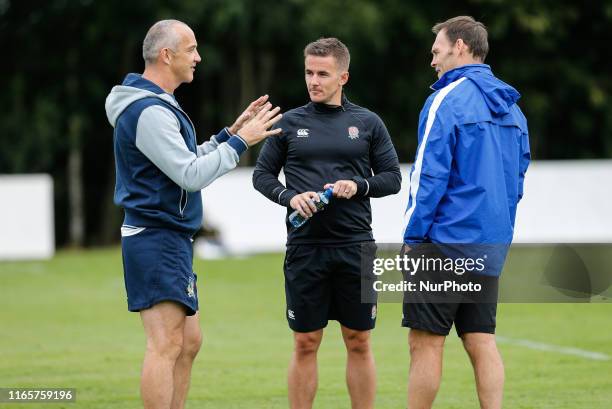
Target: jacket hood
498 95
133 88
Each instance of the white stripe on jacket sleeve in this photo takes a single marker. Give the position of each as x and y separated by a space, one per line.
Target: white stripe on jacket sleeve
415 177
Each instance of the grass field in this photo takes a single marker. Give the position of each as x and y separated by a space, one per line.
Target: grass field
64 323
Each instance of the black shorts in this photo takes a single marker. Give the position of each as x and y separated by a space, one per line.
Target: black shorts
439 316
324 283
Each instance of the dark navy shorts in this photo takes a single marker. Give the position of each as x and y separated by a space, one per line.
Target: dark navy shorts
158 266
324 283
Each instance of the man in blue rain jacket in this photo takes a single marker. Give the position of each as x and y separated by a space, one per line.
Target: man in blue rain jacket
465 184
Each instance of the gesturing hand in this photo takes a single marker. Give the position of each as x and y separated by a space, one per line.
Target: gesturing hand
248 113
256 128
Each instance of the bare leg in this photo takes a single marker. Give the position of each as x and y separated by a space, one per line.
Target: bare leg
302 377
426 350
164 325
192 340
360 368
488 368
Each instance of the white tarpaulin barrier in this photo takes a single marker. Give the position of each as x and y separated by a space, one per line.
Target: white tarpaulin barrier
26 217
564 201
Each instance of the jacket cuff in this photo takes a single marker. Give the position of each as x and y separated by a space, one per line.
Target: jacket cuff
284 197
238 144
414 241
363 187
223 135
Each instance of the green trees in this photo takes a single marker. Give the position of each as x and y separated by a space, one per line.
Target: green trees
61 57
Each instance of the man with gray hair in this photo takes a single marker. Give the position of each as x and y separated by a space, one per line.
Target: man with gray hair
160 172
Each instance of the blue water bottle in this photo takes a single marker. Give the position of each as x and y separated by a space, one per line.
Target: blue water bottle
296 218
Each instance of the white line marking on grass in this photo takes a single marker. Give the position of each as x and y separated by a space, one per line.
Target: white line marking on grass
598 356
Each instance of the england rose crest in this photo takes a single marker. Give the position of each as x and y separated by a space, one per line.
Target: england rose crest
353 132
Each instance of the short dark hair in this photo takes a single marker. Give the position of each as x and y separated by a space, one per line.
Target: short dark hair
330 46
472 32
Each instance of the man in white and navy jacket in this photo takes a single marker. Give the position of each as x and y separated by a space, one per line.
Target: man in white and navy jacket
160 172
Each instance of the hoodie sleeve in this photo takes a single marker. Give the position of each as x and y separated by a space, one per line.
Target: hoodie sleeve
213 143
158 137
428 180
523 162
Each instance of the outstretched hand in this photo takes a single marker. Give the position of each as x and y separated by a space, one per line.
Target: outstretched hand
257 128
250 112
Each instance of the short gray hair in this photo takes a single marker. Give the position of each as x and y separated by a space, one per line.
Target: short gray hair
161 35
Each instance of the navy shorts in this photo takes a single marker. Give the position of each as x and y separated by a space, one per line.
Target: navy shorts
158 266
325 283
